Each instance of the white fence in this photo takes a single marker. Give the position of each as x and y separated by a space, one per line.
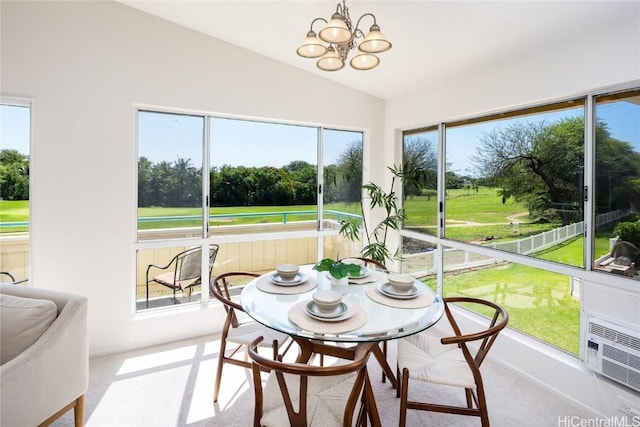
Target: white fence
423 263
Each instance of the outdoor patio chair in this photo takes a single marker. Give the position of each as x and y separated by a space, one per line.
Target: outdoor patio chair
307 395
4 275
450 361
183 272
239 330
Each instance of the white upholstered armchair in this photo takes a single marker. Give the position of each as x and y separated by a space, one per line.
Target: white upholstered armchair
44 370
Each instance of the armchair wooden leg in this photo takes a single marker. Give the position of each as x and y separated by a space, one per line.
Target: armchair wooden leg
78 412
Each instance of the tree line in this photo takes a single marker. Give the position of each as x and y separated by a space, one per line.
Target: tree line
539 164
179 183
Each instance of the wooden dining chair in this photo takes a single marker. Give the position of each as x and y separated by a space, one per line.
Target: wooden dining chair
309 395
450 361
236 332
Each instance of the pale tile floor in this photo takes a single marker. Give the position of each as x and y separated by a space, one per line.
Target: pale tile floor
172 385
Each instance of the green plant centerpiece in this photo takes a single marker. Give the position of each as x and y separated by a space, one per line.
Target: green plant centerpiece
337 269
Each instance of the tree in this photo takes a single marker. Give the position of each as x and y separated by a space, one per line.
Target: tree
14 175
536 163
542 165
347 175
145 190
186 188
304 177
420 154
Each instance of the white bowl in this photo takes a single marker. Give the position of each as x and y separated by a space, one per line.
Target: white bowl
401 282
327 300
354 261
287 271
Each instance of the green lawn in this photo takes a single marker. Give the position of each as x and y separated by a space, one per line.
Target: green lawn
539 302
14 210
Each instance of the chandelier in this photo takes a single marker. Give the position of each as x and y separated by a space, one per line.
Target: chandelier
341 37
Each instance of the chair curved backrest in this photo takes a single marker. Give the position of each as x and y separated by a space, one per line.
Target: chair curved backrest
219 288
235 333
297 383
451 361
499 320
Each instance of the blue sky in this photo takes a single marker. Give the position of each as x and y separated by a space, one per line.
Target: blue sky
258 144
236 142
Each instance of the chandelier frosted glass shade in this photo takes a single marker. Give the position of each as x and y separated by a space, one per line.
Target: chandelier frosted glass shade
330 61
312 47
341 37
364 61
375 41
336 31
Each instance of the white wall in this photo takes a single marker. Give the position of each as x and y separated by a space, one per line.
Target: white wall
602 57
85 65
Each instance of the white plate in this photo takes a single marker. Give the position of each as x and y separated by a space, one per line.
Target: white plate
299 279
345 311
364 271
387 290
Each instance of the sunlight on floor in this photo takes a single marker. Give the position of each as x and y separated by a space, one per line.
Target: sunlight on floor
171 386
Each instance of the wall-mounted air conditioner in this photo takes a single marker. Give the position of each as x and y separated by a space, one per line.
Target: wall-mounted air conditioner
613 351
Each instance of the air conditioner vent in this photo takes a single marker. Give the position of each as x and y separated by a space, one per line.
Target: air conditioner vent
615 336
622 374
614 351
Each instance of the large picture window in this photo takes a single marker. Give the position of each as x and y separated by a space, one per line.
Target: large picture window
15 134
262 173
420 150
169 175
516 183
517 192
258 205
617 184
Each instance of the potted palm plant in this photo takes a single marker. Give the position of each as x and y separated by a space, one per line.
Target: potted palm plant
375 237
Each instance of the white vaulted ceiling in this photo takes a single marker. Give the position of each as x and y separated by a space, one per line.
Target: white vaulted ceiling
432 40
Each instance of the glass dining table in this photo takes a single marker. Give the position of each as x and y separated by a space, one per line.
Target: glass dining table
372 313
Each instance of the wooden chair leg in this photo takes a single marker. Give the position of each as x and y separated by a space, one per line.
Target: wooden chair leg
216 387
482 406
399 379
404 388
384 352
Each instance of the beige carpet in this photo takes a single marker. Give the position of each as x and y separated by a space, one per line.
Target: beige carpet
172 385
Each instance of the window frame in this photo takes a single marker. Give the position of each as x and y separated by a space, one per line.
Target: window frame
207 237
29 104
586 272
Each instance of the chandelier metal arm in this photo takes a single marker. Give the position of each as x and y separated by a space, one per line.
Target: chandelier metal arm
341 36
357 32
314 21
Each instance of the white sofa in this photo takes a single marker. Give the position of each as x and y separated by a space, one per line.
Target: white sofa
50 375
